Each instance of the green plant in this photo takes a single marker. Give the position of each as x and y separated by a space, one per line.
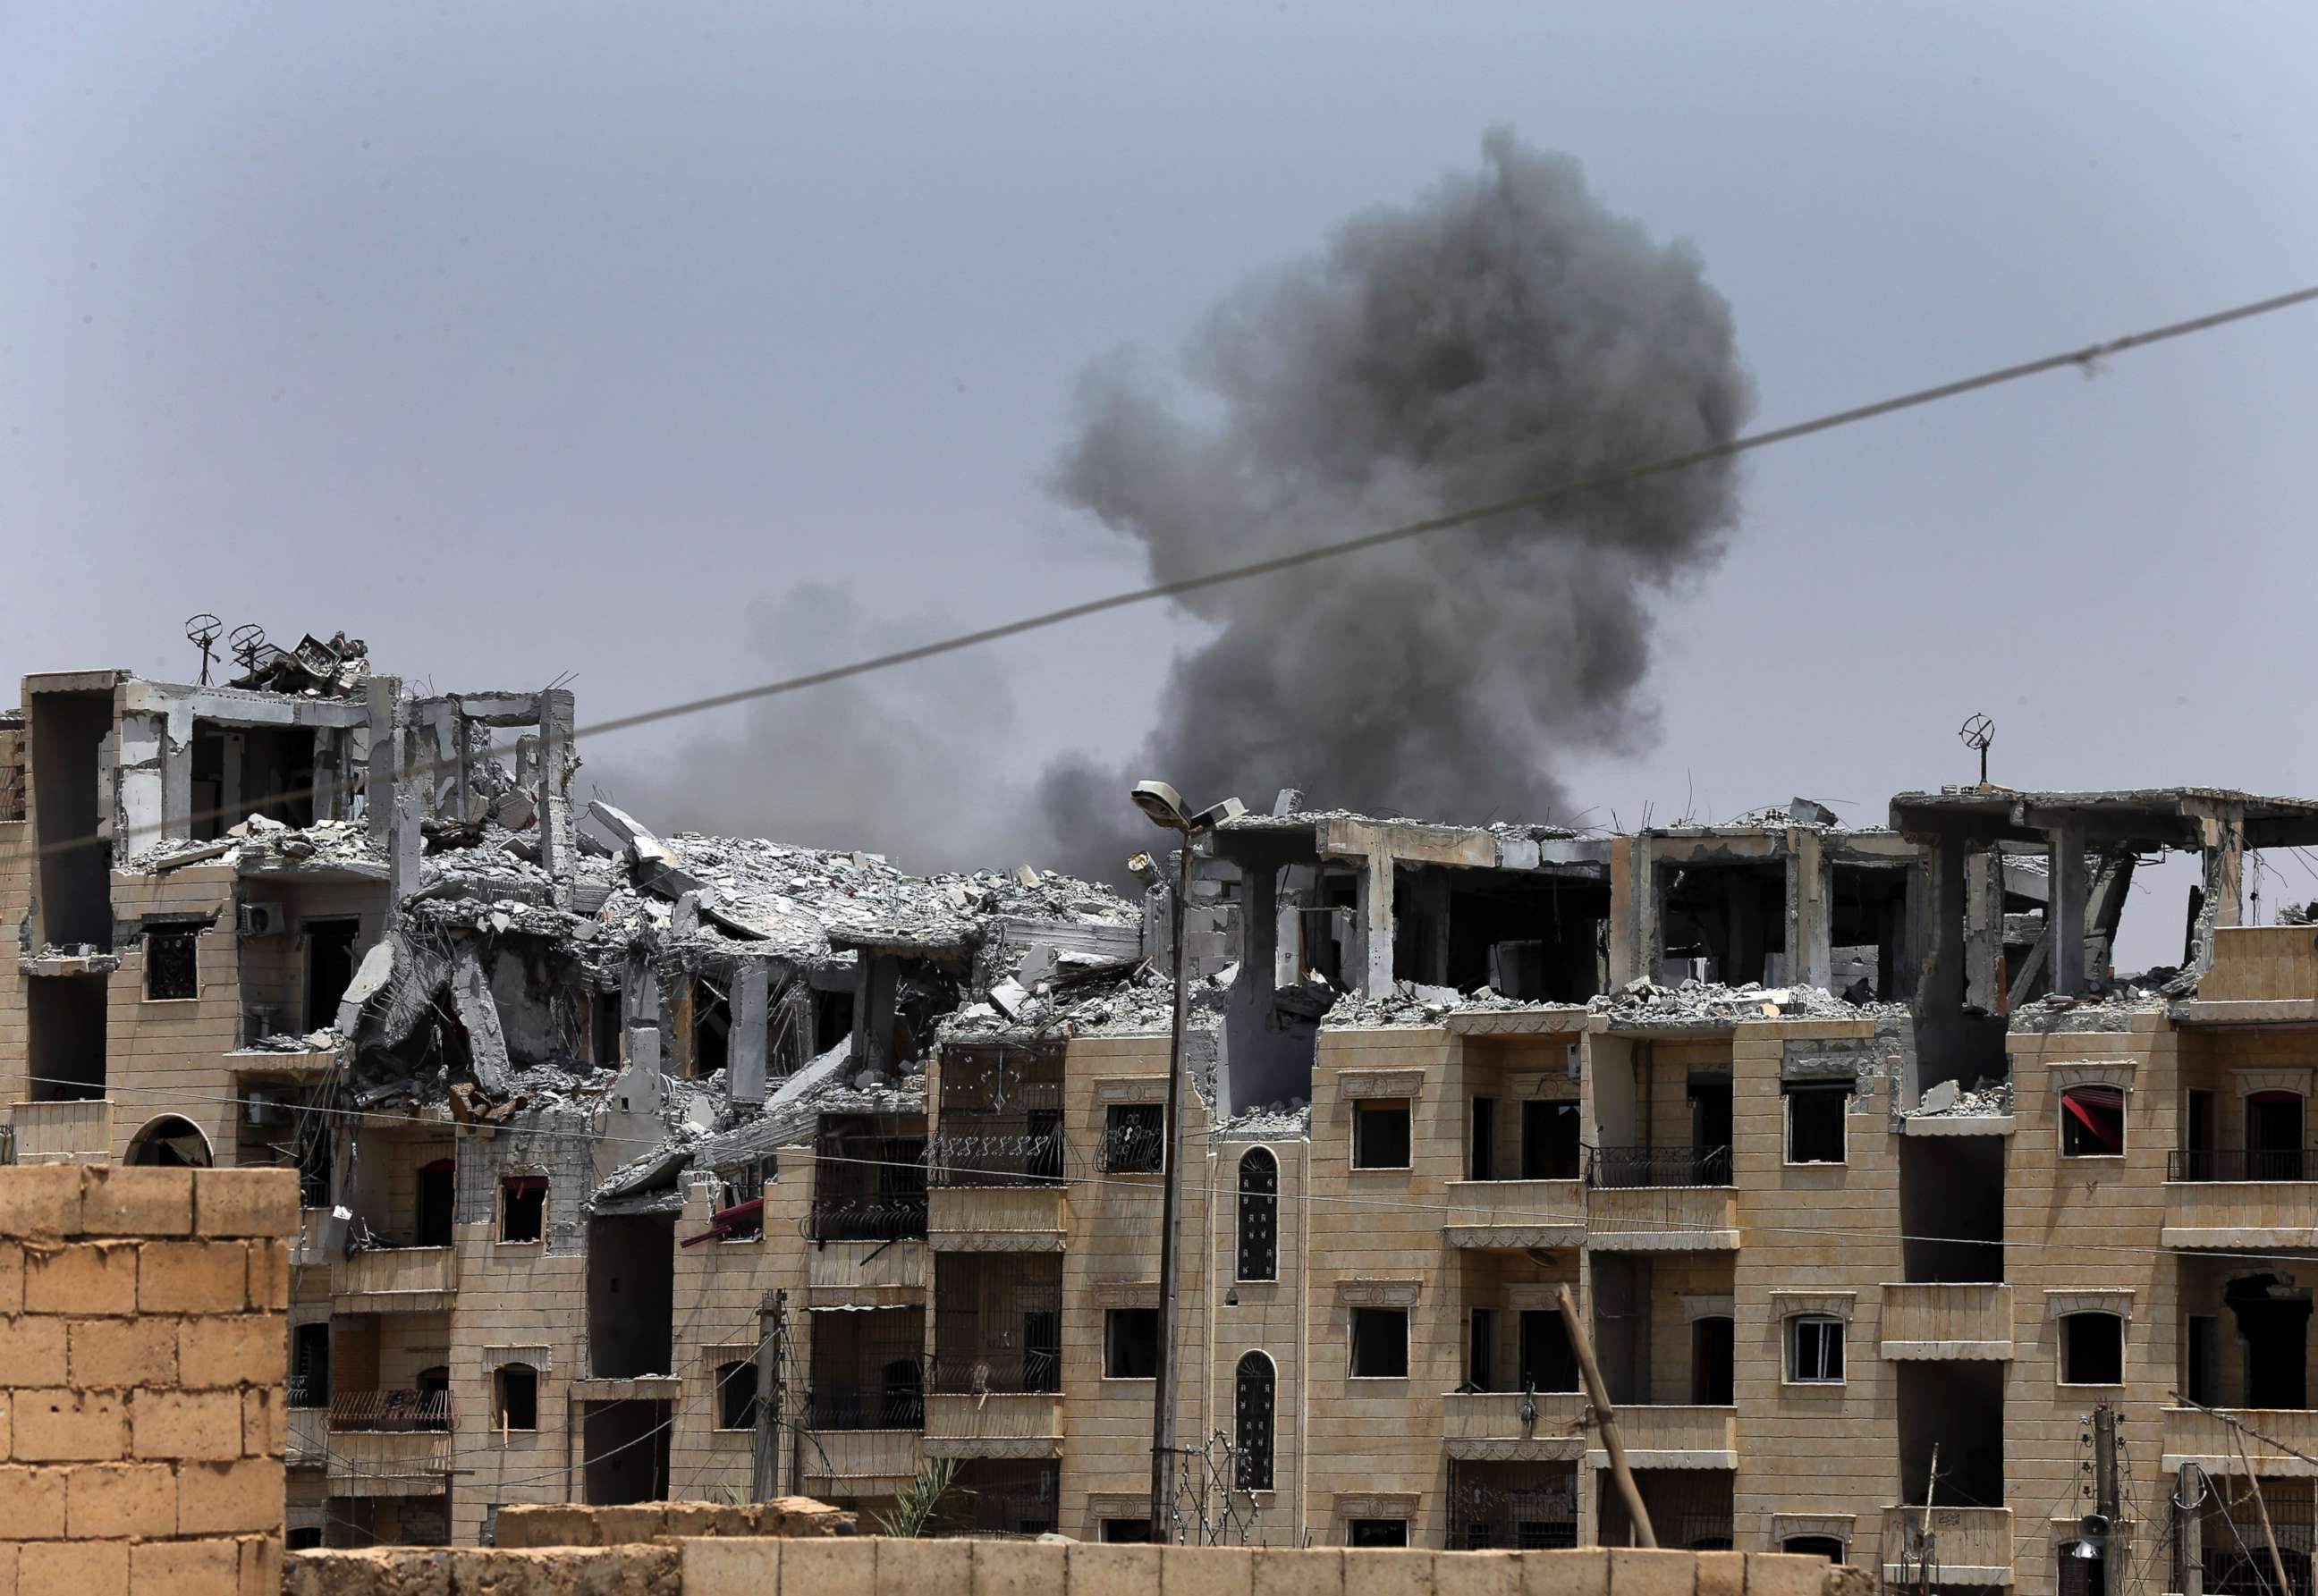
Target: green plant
921 1498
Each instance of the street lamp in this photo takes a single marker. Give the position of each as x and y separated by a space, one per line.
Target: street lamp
1165 807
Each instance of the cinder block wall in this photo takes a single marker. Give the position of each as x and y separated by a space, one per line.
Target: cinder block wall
143 1339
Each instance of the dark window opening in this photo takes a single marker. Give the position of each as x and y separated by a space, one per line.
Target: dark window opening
736 1396
1257 1387
1955 1407
1867 930
712 1028
1813 1545
1710 1362
832 1020
631 1295
1548 1361
1720 922
2203 1376
608 1029
172 962
1815 1124
1378 1532
1131 1343
2092 1122
170 1142
1815 1350
1710 1131
1550 1141
997 1323
1126 1532
302 1538
1134 1139
438 1193
1380 1343
1539 936
1481 1349
64 1037
516 1388
310 1365
2197 1129
329 968
2092 1349
868 1370
1258 1216
624 1451
2273 1137
1481 1160
73 891
523 1208
2273 1325
1952 1208
1380 1135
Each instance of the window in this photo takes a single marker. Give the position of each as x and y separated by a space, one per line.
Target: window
171 966
1548 1361
1482 1164
1711 1349
1815 1124
1380 1343
514 1388
2092 1349
1378 1532
1257 1384
523 1208
2092 1122
1380 1135
1258 1216
1550 1141
302 1538
1131 1343
2204 1359
1134 1139
1126 1532
1813 1545
736 1395
1815 1350
329 967
1481 1349
310 1365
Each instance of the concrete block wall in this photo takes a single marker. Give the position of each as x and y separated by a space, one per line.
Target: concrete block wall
142 1344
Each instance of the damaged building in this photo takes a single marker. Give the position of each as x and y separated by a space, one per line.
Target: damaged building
639 1164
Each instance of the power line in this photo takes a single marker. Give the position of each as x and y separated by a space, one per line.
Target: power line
2085 359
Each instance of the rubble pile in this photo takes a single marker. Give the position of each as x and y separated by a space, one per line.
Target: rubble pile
1413 1003
1274 1122
1704 1003
1947 1100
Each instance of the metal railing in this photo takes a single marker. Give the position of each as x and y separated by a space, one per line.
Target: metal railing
2233 1163
849 1406
994 1156
1036 1372
1658 1166
867 1219
1132 1150
401 1410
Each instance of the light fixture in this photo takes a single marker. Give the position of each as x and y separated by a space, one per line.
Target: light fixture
1231 1297
1163 804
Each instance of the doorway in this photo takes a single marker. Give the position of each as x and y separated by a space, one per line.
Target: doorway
2273 1319
2274 1135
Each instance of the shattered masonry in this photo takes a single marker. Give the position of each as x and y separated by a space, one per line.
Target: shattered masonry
1827 1127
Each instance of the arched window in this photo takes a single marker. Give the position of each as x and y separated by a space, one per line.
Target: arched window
1813 1545
515 1386
736 1396
1258 1216
1257 1387
171 1143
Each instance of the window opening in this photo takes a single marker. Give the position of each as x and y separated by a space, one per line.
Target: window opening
1481 1349
2092 1122
1711 1349
1550 1141
1134 1139
1815 1124
1548 1361
1378 1532
1813 1545
736 1395
2092 1349
1257 1387
523 1208
1380 1343
172 962
1131 1343
1815 1350
517 1387
1380 1138
1482 1164
1258 1216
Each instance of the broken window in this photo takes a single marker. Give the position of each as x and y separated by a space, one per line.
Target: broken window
1815 1350
172 962
1381 1137
1256 1383
515 1386
2092 1349
2092 1122
523 1208
736 1395
1815 1124
1134 1139
1258 1216
1131 1343
1380 1343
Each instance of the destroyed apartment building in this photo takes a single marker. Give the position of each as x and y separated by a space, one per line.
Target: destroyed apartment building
640 1165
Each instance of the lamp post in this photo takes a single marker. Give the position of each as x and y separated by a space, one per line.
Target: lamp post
1164 805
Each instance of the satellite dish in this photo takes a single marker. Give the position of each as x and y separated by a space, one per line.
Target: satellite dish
1977 733
201 631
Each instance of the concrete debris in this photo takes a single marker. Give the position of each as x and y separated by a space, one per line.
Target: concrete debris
1711 1004
1947 1100
313 669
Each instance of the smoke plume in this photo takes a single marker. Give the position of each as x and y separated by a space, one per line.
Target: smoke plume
1503 334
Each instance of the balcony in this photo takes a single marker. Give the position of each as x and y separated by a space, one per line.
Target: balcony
1513 1426
395 1281
1948 1319
858 1463
1517 1214
898 1218
391 1442
308 1445
2231 1198
1677 1436
865 1275
979 1150
998 1219
997 1424
1959 1546
2195 1435
76 1131
1648 1199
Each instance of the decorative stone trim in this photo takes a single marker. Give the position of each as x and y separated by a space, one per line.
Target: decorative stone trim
1357 1084
539 1357
1377 1504
2249 1081
2116 1073
1118 1505
1834 1305
1129 1088
1785 1527
1363 1293
1542 1448
1545 1237
1126 1294
1708 1305
2058 1305
990 1241
979 1446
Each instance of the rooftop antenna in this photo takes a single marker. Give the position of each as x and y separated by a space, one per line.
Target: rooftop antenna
1977 734
201 631
249 642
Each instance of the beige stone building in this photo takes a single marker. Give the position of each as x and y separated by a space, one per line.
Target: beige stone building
640 1167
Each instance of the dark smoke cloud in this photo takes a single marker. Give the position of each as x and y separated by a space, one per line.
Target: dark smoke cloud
1503 334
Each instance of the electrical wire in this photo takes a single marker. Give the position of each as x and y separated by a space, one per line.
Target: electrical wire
2085 359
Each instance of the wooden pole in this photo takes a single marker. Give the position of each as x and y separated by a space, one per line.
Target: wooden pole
1606 1418
2277 1562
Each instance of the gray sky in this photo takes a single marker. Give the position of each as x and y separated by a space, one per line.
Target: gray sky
525 340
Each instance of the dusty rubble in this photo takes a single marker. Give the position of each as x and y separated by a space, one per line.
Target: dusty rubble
1947 1100
1697 1002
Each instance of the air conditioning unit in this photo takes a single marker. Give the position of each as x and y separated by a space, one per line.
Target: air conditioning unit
262 920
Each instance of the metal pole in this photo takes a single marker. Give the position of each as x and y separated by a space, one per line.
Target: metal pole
1924 1527
1605 1417
1163 1395
2188 1533
765 1458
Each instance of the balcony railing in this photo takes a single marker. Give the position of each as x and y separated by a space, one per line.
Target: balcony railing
396 1412
1658 1166
1038 1371
993 1157
1947 1545
867 1219
868 1407
1132 1150
2232 1163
